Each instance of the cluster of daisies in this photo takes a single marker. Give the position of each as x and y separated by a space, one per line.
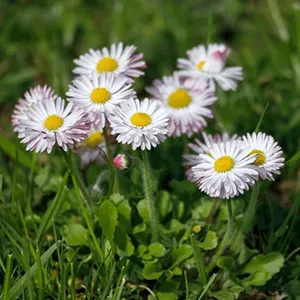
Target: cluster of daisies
101 97
224 166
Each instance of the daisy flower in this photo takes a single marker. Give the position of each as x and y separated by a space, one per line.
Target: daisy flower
142 124
200 147
187 108
91 147
99 93
121 161
210 64
269 154
50 122
34 95
118 59
225 171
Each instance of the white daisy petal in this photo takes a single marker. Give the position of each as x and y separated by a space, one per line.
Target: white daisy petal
32 96
187 107
118 60
269 154
222 172
209 64
48 123
142 124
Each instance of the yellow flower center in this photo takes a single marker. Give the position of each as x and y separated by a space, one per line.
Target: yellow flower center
107 64
94 139
224 164
260 159
179 99
53 122
140 119
100 95
200 65
196 228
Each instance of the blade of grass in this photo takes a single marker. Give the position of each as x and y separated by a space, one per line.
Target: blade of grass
6 286
40 272
208 285
55 206
261 118
17 288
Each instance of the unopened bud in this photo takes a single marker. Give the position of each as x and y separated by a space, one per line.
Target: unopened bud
121 161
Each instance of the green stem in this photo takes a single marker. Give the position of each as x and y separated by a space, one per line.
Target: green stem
149 196
110 161
199 260
226 240
250 212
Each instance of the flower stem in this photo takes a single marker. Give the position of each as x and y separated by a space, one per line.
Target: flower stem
198 260
250 211
226 240
146 173
110 161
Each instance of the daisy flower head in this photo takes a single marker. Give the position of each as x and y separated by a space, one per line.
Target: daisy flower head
142 124
91 147
50 122
187 108
99 93
225 171
269 154
34 95
121 161
118 59
209 63
199 147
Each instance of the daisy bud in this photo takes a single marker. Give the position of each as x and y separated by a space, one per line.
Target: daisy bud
121 161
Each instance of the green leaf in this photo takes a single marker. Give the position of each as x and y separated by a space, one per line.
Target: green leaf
75 235
124 215
152 271
21 284
117 198
270 263
157 249
181 253
167 296
108 219
257 279
210 242
142 249
177 271
164 203
139 228
123 241
15 153
226 262
223 295
142 208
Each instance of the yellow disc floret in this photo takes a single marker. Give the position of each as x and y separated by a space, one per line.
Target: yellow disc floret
100 95
224 164
107 64
200 65
53 122
94 139
179 99
260 159
140 119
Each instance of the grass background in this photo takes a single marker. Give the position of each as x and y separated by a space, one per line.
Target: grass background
39 40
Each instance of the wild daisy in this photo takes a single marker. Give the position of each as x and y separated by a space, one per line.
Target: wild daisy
121 161
225 171
187 108
142 124
34 95
210 64
99 93
50 122
269 154
91 147
118 59
200 147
